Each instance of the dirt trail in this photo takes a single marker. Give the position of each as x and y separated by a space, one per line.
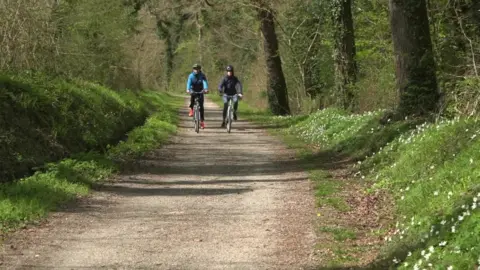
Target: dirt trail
205 201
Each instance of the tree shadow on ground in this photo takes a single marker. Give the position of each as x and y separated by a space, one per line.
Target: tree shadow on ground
126 190
326 160
209 182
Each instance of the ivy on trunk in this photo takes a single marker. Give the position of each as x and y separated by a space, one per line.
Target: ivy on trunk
414 60
344 51
276 85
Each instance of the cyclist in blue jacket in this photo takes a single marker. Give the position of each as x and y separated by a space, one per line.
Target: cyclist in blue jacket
229 86
197 83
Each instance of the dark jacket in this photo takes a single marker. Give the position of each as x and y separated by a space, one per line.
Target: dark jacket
230 85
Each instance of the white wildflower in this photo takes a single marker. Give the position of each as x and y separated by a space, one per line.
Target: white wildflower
442 244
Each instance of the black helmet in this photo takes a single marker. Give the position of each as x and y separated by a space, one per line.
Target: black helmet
229 68
197 66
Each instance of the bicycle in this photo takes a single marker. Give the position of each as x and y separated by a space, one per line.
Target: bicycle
229 118
196 110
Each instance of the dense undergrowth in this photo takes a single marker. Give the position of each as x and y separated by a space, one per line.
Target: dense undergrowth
431 170
45 119
50 119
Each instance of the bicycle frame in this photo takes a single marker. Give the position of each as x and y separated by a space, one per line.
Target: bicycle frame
230 112
196 111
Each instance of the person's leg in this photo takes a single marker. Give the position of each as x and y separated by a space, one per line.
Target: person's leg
202 111
225 108
235 107
192 100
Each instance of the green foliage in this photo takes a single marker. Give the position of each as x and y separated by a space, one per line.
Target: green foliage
432 172
92 37
81 39
429 168
340 234
306 52
329 127
463 97
45 119
154 132
31 198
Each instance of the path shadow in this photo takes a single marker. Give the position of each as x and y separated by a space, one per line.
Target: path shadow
326 160
148 191
210 182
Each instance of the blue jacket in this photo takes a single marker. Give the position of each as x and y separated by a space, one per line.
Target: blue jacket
197 82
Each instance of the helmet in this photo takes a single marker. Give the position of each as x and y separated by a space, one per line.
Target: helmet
196 66
229 68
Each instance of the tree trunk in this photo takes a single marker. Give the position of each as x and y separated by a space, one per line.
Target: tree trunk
276 85
345 64
169 31
198 21
414 61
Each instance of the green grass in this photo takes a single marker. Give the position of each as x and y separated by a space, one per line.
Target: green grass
31 198
340 234
327 191
430 169
45 119
434 174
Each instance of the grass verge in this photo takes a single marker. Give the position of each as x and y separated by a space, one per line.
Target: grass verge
29 199
45 119
430 172
426 174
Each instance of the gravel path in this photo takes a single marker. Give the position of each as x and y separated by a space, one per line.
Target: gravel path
204 201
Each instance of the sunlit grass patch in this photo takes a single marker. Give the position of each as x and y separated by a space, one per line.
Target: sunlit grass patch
32 198
434 175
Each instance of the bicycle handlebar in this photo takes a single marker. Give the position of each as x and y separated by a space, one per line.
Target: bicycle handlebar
197 93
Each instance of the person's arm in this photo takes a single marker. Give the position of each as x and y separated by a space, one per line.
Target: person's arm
221 86
239 87
189 83
205 83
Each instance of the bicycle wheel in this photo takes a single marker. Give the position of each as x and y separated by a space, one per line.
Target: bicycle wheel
229 117
197 119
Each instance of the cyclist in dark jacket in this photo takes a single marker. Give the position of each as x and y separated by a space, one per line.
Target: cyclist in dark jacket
229 86
197 82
